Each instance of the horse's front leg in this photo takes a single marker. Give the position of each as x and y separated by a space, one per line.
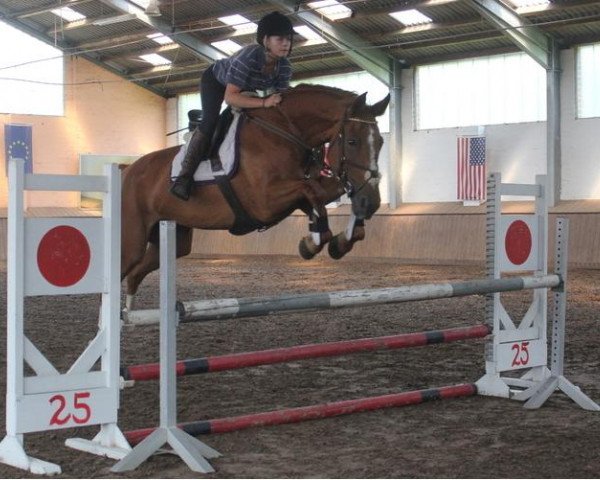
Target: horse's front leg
315 197
343 242
320 234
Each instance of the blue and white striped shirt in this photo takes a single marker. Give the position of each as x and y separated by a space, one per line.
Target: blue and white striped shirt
244 69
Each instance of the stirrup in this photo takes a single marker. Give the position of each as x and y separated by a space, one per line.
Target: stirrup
182 187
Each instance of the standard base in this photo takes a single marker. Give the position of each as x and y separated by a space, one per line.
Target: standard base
533 392
541 392
492 386
191 450
110 442
13 454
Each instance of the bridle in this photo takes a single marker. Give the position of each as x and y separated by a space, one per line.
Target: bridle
314 153
343 161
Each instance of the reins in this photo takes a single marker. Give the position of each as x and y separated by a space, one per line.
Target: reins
312 152
279 131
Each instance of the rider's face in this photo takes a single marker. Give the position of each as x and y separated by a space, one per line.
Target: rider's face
278 46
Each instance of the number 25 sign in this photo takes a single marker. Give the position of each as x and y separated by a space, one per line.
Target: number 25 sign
70 409
521 354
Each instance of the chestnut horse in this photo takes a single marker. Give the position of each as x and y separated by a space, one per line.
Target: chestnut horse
277 174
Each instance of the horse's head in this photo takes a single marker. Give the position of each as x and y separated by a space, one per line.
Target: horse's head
343 119
355 152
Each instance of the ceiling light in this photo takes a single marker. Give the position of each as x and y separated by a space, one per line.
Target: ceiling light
117 19
234 20
528 3
68 14
241 24
160 38
311 36
227 46
152 9
332 9
155 59
412 17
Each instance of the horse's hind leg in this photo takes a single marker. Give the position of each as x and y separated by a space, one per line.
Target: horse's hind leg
149 263
151 260
134 237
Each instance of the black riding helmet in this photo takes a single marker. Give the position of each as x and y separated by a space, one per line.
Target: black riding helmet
274 23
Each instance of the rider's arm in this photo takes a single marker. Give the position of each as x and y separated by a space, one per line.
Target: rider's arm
234 97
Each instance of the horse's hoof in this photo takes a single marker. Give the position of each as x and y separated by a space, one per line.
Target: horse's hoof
335 247
306 252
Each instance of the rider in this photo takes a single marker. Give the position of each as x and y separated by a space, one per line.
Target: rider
255 67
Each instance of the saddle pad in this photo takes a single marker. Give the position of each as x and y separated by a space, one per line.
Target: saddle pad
227 154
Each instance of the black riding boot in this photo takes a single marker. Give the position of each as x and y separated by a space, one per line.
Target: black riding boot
197 148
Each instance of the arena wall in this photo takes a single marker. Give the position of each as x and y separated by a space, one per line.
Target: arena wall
106 115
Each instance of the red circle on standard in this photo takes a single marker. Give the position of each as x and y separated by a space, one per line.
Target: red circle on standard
63 256
518 242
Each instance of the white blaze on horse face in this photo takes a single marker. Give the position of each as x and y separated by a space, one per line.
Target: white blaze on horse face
372 158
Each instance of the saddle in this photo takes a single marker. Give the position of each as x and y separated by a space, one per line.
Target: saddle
223 123
222 147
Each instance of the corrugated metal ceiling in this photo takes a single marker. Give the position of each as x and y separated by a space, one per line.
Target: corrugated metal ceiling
458 29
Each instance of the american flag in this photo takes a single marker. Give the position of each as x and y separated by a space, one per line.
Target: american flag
471 168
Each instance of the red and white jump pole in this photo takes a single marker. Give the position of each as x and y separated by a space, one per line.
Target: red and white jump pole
313 412
195 366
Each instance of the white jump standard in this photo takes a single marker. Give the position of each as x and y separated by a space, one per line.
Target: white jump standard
518 243
58 256
193 452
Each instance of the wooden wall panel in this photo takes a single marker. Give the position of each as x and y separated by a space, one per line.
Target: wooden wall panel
426 239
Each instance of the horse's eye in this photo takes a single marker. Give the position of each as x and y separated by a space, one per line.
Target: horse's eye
352 142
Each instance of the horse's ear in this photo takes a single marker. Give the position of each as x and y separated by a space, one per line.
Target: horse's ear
379 108
358 104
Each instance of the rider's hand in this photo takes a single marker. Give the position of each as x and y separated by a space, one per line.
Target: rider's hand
272 100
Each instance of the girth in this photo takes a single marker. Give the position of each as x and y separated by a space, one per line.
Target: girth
243 222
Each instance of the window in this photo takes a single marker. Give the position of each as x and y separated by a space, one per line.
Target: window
588 81
480 91
31 76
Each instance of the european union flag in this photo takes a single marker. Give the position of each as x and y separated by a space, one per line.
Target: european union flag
17 144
